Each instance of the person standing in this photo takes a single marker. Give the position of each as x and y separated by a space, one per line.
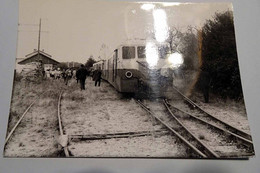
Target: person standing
63 75
81 76
205 81
97 76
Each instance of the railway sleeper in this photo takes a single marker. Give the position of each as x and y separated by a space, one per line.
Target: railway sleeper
156 133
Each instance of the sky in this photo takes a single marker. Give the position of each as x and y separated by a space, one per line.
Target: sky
72 30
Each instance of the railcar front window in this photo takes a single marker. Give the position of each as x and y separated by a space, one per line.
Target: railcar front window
141 51
128 52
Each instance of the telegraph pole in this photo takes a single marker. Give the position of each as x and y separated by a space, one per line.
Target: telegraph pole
39 40
41 68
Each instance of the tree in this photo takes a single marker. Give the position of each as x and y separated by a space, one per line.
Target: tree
185 43
174 39
90 62
219 56
62 65
189 48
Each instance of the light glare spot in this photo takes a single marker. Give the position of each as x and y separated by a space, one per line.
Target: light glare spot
166 4
160 25
176 59
147 7
151 53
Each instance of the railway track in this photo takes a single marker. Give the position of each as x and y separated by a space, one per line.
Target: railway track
214 120
186 137
196 147
21 118
244 146
63 139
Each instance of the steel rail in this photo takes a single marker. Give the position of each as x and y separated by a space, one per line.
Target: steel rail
20 119
244 140
65 148
172 130
208 150
228 126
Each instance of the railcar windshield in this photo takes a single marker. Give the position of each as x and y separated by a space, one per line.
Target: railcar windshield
141 51
128 52
163 50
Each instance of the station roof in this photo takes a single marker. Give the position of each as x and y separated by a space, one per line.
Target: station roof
33 57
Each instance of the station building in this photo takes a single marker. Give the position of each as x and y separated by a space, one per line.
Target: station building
33 59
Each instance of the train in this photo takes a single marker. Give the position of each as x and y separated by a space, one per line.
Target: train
138 66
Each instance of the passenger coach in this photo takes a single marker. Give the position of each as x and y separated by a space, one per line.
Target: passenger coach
136 65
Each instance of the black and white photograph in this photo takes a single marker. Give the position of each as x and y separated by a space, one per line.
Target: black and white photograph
113 79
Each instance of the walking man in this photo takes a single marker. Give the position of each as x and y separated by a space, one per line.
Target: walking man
81 76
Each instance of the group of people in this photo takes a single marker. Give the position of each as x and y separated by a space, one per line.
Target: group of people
67 75
55 73
82 74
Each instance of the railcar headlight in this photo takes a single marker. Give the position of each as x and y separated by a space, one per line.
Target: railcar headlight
176 59
128 74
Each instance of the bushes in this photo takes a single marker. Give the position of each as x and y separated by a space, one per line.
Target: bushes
219 55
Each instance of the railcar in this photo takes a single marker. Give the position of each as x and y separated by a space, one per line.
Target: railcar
99 65
138 66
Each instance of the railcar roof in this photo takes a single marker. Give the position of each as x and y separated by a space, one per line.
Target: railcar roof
99 62
137 42
141 42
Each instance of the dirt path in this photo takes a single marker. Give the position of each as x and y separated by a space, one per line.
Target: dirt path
100 110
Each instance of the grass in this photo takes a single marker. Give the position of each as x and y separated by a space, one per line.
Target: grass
36 130
25 93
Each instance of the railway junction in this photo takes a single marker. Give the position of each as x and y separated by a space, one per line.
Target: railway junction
55 120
